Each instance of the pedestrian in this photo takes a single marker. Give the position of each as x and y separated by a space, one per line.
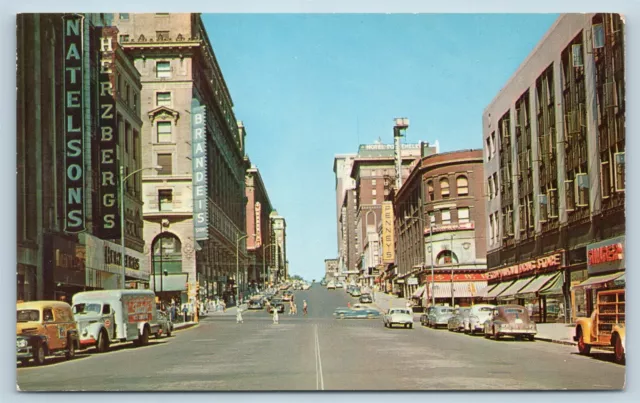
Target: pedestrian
239 316
290 307
304 307
185 310
224 306
276 318
348 304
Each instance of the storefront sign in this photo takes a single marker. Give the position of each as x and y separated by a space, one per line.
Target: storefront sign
73 52
456 277
258 210
450 227
105 256
412 281
199 158
545 262
109 226
64 261
605 256
388 253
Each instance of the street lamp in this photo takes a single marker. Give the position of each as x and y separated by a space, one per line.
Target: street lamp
123 179
238 239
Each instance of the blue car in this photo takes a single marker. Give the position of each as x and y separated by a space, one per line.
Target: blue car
356 312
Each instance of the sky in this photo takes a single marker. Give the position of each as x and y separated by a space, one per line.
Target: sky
310 86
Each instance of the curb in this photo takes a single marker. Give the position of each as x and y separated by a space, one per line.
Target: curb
175 329
564 342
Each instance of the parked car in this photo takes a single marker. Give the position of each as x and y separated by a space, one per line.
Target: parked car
255 303
276 304
510 320
477 316
424 318
457 320
339 285
398 316
439 316
331 285
365 299
356 292
356 312
166 326
45 328
306 287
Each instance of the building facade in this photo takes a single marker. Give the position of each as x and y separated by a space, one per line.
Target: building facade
440 223
194 205
260 243
555 162
280 267
78 96
342 164
330 269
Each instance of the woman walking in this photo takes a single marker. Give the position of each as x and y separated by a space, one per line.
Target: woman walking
304 307
275 315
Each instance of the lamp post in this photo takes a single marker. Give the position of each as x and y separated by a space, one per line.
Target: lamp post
238 239
264 265
123 179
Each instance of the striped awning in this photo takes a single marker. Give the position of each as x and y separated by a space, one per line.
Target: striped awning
509 293
461 289
419 292
537 283
553 287
498 289
597 280
483 292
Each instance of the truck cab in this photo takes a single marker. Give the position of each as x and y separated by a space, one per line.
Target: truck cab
606 326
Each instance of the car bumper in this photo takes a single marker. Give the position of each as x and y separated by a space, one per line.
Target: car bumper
24 352
516 332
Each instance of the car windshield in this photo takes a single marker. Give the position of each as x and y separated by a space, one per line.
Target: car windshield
445 310
28 315
514 310
86 308
400 311
485 309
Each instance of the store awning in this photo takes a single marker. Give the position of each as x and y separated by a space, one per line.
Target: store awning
553 287
461 289
597 280
620 281
538 283
483 292
498 289
511 292
419 292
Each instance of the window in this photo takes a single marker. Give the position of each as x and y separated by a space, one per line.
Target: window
445 216
164 132
165 161
373 172
491 229
163 69
124 16
463 215
488 149
135 101
163 99
124 38
165 198
463 185
495 184
373 182
444 188
493 143
374 201
619 168
446 257
106 309
430 192
47 315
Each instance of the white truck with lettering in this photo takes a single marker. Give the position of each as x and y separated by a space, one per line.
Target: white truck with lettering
114 316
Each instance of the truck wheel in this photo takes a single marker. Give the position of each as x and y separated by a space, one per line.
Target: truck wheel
102 345
618 351
38 357
71 349
583 348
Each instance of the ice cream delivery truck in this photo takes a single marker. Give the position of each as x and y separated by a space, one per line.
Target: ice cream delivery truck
114 316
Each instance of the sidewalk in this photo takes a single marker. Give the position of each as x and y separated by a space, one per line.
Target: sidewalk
385 301
183 325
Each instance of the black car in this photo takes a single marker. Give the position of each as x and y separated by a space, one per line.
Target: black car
365 299
278 304
255 304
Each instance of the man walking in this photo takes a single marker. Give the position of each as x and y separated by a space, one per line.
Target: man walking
239 316
276 318
304 307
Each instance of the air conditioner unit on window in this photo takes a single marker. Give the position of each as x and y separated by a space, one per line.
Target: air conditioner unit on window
619 169
582 190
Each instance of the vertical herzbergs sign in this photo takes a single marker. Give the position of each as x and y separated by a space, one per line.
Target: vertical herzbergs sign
109 227
388 255
258 211
199 158
73 26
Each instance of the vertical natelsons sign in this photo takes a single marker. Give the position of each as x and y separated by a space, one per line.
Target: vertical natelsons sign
74 198
109 226
199 158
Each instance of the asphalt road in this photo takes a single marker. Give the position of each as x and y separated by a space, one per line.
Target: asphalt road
318 352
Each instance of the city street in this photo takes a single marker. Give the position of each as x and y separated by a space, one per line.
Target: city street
318 352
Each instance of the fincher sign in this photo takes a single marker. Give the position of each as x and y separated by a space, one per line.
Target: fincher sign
199 158
74 198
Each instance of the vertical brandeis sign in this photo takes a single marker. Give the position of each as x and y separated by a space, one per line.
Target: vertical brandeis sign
109 226
199 158
74 198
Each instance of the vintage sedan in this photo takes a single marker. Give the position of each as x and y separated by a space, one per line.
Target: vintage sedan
255 303
356 312
424 318
276 304
356 292
45 328
439 316
398 316
166 326
457 321
365 299
477 316
510 320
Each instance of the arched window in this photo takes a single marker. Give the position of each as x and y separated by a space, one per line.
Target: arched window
463 185
444 188
167 253
430 192
446 257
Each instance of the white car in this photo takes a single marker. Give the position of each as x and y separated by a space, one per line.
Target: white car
306 287
479 314
339 285
331 285
398 316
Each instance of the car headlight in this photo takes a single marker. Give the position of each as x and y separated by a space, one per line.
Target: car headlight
21 343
